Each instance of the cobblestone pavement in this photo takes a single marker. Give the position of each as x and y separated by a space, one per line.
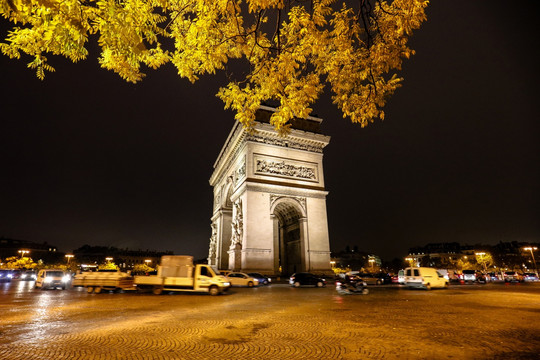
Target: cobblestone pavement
274 322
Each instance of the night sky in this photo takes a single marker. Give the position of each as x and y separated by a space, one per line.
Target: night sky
87 158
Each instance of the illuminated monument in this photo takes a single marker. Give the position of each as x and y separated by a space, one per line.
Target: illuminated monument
269 211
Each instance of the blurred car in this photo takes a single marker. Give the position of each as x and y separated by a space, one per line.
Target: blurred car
384 277
262 279
29 275
469 276
16 274
424 278
241 279
492 276
401 277
52 278
5 275
530 277
371 279
512 276
306 278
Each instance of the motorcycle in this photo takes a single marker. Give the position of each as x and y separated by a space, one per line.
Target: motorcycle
352 287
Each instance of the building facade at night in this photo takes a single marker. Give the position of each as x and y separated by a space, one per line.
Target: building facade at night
37 251
269 210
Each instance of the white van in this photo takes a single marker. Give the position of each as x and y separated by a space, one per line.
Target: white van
52 278
424 278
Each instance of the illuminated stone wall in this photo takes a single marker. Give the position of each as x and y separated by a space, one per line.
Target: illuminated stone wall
269 211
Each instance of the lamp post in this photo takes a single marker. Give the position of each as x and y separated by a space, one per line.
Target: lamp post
371 261
69 256
22 252
109 259
531 248
147 261
410 260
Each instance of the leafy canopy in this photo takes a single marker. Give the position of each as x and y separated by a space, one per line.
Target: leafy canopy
293 48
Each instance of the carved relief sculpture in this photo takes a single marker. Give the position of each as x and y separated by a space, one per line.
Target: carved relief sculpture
213 245
237 226
284 169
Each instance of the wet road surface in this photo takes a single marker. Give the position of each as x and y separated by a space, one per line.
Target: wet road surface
491 321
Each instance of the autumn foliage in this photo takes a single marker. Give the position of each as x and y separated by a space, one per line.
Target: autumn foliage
291 49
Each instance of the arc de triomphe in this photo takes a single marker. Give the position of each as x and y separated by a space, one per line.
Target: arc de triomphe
269 211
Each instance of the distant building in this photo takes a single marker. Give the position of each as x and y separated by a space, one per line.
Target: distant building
37 251
355 259
504 254
124 258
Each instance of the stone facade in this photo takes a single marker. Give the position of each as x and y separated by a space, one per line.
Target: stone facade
269 212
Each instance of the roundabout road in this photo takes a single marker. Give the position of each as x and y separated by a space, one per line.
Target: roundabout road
274 322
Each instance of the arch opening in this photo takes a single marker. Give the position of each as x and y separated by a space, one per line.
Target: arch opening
289 238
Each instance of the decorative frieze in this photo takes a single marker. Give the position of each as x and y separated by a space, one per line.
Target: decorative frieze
266 165
285 142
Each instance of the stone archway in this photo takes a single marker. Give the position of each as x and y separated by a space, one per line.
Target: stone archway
288 237
269 211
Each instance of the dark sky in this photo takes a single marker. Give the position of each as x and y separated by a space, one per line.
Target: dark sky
89 159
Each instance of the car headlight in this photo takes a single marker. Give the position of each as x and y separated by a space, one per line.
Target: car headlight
66 278
226 284
48 279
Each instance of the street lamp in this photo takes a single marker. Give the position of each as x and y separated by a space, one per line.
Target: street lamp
410 260
109 259
371 261
531 248
22 252
148 261
69 256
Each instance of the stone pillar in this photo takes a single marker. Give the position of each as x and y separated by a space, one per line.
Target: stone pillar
304 244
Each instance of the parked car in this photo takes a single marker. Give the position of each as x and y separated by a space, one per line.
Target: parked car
262 279
241 279
530 277
512 276
469 276
5 275
424 278
52 278
29 275
306 278
401 277
492 276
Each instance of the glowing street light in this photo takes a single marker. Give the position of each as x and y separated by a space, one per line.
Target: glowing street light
109 259
148 261
531 248
371 261
22 252
69 256
410 260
